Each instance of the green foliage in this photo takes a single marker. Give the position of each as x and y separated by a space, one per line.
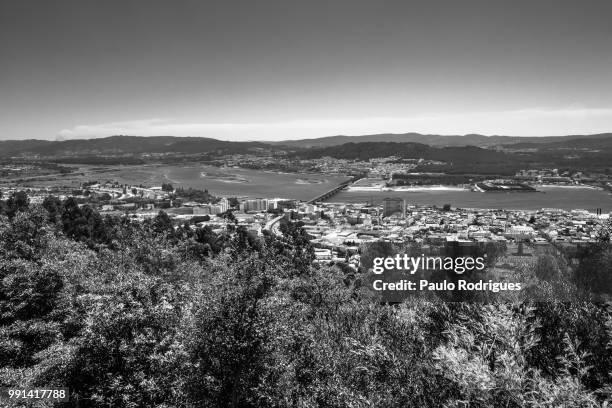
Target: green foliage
53 205
29 290
231 333
151 314
488 362
228 215
547 268
376 249
191 194
17 202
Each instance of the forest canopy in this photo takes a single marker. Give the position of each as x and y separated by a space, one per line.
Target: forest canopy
154 313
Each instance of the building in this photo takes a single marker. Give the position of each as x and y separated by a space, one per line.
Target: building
520 232
208 209
257 204
224 203
392 206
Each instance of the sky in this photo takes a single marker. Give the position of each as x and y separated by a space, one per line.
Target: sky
289 69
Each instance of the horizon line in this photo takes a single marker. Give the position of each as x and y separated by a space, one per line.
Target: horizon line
60 139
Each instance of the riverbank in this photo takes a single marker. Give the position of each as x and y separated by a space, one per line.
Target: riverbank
554 197
407 188
575 186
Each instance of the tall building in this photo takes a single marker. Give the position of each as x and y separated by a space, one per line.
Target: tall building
224 203
257 204
392 206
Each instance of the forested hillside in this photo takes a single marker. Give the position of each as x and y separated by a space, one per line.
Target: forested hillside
151 314
123 145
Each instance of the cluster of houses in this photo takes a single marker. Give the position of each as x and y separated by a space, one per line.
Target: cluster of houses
338 229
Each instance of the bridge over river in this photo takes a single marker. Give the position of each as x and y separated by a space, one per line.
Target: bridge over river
331 192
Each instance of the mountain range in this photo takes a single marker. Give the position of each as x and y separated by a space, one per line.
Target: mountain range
439 140
134 145
123 145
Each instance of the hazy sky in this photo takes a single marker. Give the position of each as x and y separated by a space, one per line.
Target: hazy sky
245 70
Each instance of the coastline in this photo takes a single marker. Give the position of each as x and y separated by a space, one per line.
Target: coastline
408 188
578 186
455 188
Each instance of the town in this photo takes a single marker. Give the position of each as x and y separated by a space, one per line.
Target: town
336 230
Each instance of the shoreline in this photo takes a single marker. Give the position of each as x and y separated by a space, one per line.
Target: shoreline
455 188
578 186
408 188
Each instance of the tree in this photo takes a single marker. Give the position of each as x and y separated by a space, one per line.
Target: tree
547 268
82 223
233 202
595 264
188 317
53 205
231 333
162 223
376 249
200 218
228 215
127 353
17 202
30 310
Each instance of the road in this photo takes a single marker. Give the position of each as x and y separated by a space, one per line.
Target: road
273 224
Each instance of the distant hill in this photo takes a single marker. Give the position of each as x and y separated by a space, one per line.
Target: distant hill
367 150
122 145
457 159
575 150
601 141
438 140
588 153
10 147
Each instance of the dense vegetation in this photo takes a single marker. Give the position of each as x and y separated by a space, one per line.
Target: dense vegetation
456 159
117 146
152 314
367 150
472 154
471 159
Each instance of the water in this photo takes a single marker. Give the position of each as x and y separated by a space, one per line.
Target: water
550 197
251 183
257 183
228 182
